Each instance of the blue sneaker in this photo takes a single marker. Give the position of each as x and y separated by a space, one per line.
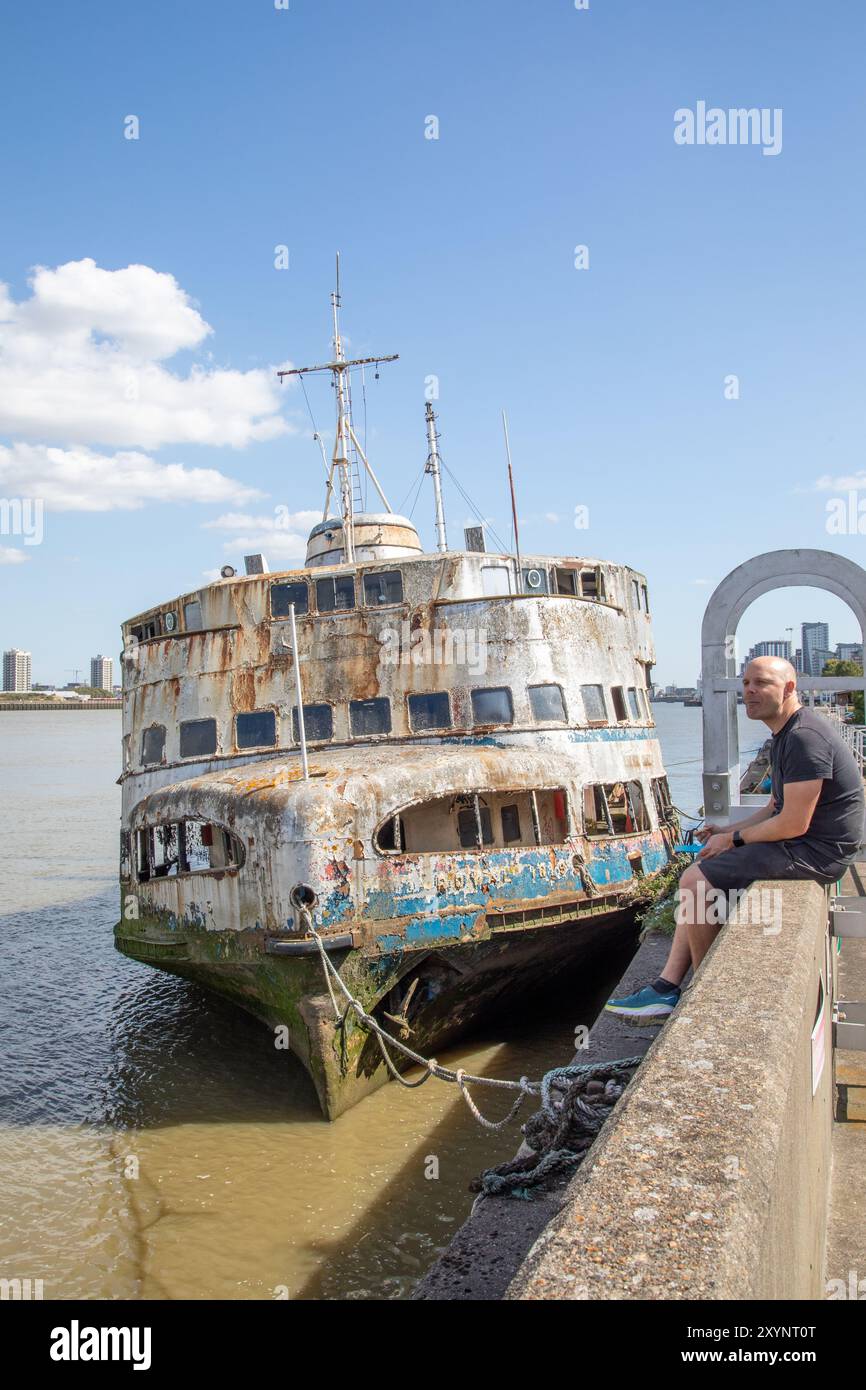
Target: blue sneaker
644 1006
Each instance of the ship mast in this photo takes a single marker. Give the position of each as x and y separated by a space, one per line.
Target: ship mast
345 436
433 467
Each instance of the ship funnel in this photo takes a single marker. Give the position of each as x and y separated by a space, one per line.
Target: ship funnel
377 536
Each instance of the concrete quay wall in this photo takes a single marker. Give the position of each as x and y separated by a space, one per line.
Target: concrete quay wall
710 1179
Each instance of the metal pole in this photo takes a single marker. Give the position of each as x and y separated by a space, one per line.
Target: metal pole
341 442
433 468
302 732
513 506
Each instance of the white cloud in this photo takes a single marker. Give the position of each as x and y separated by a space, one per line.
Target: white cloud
847 481
80 480
10 556
81 362
281 536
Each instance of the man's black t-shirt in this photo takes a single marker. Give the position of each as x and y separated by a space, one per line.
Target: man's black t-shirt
804 749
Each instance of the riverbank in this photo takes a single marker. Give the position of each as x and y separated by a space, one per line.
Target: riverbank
55 706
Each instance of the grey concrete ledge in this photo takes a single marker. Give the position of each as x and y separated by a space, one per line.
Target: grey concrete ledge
710 1178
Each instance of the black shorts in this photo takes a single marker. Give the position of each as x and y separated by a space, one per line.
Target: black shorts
737 868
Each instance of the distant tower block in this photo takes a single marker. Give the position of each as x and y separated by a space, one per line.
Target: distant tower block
101 668
16 670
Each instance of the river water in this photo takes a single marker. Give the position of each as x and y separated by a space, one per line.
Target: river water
153 1144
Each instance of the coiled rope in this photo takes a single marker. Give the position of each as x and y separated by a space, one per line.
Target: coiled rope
459 1077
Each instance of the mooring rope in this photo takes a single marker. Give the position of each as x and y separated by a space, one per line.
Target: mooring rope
459 1077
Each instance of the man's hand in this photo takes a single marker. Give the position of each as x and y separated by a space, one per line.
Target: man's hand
706 831
718 842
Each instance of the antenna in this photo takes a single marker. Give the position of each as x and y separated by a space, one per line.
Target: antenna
432 467
345 436
513 504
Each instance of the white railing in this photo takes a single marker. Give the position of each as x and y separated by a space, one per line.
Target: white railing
853 735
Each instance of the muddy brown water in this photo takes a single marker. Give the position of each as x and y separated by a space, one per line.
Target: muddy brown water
153 1144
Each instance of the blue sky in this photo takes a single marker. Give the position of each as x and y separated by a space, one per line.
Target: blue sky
261 127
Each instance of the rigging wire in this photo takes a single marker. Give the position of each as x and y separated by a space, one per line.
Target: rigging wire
415 483
472 507
309 407
417 493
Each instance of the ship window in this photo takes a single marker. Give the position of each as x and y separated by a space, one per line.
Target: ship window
284 595
595 817
547 703
645 592
431 711
647 714
492 705
164 851
639 813
593 704
510 824
471 819
495 579
620 713
208 847
318 723
143 632
124 854
635 593
335 593
153 745
198 738
535 581
370 717
390 836
617 808
589 584
256 729
633 704
662 798
142 854
385 587
188 847
192 616
566 582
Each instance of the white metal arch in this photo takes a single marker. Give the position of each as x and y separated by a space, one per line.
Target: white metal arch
777 569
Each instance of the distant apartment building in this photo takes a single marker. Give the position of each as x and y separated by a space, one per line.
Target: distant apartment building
798 659
816 642
782 649
820 655
849 651
17 666
101 672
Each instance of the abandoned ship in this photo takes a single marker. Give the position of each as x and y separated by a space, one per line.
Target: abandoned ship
444 764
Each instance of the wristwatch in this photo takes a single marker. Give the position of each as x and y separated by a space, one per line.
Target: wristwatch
737 839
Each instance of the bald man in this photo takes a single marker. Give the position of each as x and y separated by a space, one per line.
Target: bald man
811 827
